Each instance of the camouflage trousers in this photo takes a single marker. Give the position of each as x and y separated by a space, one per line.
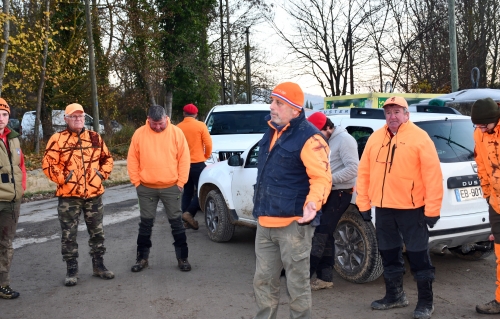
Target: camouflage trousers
9 216
69 210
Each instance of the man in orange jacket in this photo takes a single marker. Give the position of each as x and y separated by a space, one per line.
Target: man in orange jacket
399 173
485 114
78 161
158 167
200 149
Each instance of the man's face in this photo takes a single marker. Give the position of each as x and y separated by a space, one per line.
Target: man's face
75 121
281 113
486 128
4 119
158 126
327 133
395 116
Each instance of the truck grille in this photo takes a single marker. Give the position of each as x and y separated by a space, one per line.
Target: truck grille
223 156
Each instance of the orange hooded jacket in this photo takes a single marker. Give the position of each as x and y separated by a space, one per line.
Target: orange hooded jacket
488 144
158 160
77 163
401 173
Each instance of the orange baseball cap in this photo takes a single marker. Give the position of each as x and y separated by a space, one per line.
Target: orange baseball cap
290 93
396 100
72 108
4 106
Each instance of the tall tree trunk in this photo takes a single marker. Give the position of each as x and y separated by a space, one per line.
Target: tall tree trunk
5 48
168 101
41 84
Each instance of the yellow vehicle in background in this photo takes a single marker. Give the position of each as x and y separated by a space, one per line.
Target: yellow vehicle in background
372 100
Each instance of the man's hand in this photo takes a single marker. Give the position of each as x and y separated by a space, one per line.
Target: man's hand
367 215
431 221
309 213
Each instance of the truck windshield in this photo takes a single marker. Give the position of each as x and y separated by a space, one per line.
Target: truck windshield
453 139
237 122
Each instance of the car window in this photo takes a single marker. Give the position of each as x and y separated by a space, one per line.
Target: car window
88 120
453 139
237 122
253 155
360 134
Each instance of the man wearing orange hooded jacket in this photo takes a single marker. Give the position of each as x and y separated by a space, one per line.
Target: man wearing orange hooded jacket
485 114
158 165
399 173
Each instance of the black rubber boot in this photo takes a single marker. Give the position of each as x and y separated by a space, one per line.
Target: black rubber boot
395 296
99 269
425 306
71 273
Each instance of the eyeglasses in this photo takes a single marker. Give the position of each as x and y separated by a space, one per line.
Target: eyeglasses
75 117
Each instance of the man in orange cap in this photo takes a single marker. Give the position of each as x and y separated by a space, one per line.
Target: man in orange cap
200 149
12 187
344 162
78 161
399 173
293 182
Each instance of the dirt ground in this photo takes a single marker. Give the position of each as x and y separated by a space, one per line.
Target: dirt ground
219 286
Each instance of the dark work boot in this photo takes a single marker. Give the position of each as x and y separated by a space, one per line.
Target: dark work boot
492 307
99 269
141 261
183 264
7 293
425 306
395 296
72 272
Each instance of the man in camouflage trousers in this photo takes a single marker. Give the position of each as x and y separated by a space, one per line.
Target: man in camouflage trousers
12 187
78 161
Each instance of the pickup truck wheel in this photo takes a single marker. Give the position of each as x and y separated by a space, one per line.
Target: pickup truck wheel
217 219
471 255
356 251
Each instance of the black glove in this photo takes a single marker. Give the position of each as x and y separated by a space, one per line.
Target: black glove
367 215
431 221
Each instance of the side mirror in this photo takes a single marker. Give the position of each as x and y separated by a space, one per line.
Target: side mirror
235 160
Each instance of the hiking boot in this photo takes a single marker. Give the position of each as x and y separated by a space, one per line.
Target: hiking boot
99 269
7 293
424 308
139 265
491 307
188 218
186 225
318 284
395 296
183 264
71 273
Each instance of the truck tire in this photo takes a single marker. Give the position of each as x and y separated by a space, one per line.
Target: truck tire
471 255
356 250
217 219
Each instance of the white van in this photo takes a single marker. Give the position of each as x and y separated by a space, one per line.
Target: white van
58 123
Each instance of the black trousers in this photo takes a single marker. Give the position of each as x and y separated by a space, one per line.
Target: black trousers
190 202
395 227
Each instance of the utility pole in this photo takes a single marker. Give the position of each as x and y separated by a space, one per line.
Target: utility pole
93 86
247 67
453 45
231 87
222 81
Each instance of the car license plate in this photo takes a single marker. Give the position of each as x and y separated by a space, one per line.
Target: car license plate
468 193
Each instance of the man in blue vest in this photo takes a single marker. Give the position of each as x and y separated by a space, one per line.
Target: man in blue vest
293 182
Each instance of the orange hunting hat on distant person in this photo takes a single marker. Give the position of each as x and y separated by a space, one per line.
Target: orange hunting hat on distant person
72 108
290 93
396 100
190 109
4 106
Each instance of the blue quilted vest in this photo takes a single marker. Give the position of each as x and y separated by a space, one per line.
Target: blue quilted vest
282 182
